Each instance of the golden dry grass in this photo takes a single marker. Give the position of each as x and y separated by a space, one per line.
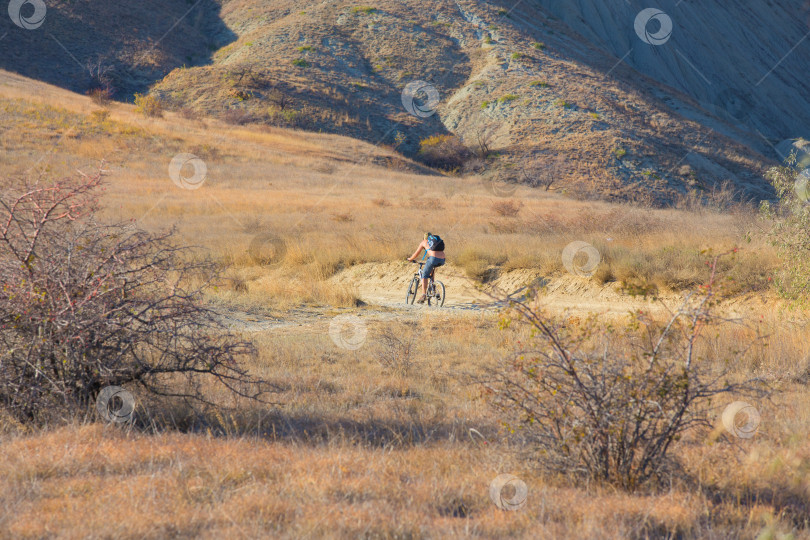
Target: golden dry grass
331 209
356 448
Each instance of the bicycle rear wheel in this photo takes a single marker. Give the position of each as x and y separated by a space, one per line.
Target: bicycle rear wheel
413 290
437 299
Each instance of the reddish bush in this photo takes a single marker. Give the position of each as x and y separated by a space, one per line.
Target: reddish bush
85 305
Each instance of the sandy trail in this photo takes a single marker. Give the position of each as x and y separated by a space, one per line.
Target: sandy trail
382 288
387 283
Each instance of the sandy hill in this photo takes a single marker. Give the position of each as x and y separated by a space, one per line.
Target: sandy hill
562 92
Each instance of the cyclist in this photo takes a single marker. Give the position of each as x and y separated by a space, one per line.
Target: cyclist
434 251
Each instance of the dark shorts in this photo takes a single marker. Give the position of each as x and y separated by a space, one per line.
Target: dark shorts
430 264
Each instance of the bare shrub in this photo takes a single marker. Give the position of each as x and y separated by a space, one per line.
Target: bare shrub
102 77
247 76
507 208
189 113
396 350
537 172
238 117
482 142
86 305
101 96
474 165
280 96
609 403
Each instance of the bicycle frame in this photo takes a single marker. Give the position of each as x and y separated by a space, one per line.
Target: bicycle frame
433 296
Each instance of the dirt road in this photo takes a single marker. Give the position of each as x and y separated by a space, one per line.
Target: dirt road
382 288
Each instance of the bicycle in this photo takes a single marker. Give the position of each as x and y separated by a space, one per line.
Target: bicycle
435 289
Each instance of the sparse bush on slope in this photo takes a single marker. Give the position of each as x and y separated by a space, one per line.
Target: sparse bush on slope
608 403
85 305
149 106
790 232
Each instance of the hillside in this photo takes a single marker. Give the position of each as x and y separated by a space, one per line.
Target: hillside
83 45
543 84
381 422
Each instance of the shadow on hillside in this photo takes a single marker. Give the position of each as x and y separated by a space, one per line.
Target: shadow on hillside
127 46
790 504
316 430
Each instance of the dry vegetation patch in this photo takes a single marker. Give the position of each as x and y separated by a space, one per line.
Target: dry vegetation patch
394 439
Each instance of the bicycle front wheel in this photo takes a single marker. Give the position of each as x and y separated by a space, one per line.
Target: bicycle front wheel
437 299
413 290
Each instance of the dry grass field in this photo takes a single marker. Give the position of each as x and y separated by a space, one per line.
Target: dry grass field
394 439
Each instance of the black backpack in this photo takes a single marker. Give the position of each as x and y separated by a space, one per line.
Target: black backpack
435 243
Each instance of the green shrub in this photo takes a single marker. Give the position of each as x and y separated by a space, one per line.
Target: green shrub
485 104
364 9
516 55
539 46
149 105
541 84
507 98
300 62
